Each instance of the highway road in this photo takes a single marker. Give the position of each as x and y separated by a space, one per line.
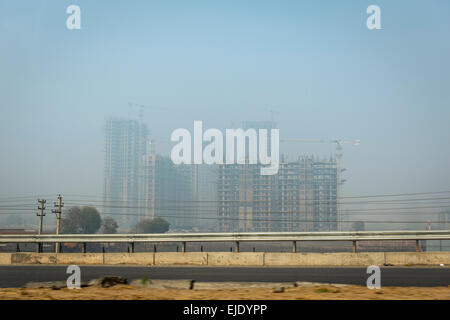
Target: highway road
19 275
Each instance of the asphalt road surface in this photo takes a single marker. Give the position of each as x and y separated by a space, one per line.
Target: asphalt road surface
18 276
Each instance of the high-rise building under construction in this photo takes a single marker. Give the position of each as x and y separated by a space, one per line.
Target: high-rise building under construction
167 191
139 184
302 196
125 145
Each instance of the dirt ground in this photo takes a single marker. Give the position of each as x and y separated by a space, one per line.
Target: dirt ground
126 292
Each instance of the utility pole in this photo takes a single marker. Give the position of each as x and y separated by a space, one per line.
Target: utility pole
41 219
58 206
41 215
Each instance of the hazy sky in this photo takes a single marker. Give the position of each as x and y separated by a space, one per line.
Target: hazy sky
314 62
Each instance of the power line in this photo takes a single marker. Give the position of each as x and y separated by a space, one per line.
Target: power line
134 199
251 202
268 220
371 211
315 201
31 197
348 197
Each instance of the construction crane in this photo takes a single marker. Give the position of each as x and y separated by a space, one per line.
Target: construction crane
272 114
339 169
141 108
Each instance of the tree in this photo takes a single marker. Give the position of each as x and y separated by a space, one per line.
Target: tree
157 225
358 226
81 220
109 225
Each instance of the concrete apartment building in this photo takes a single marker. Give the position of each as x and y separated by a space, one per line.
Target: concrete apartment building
168 192
301 197
139 184
205 197
184 195
125 145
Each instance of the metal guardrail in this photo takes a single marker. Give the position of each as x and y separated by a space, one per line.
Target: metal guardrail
231 237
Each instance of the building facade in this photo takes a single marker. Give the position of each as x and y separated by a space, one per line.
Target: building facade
302 196
444 221
139 184
167 191
125 145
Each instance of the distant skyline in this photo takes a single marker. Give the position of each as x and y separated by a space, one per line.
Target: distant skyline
325 75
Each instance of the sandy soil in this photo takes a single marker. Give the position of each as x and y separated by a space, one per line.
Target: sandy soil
126 292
